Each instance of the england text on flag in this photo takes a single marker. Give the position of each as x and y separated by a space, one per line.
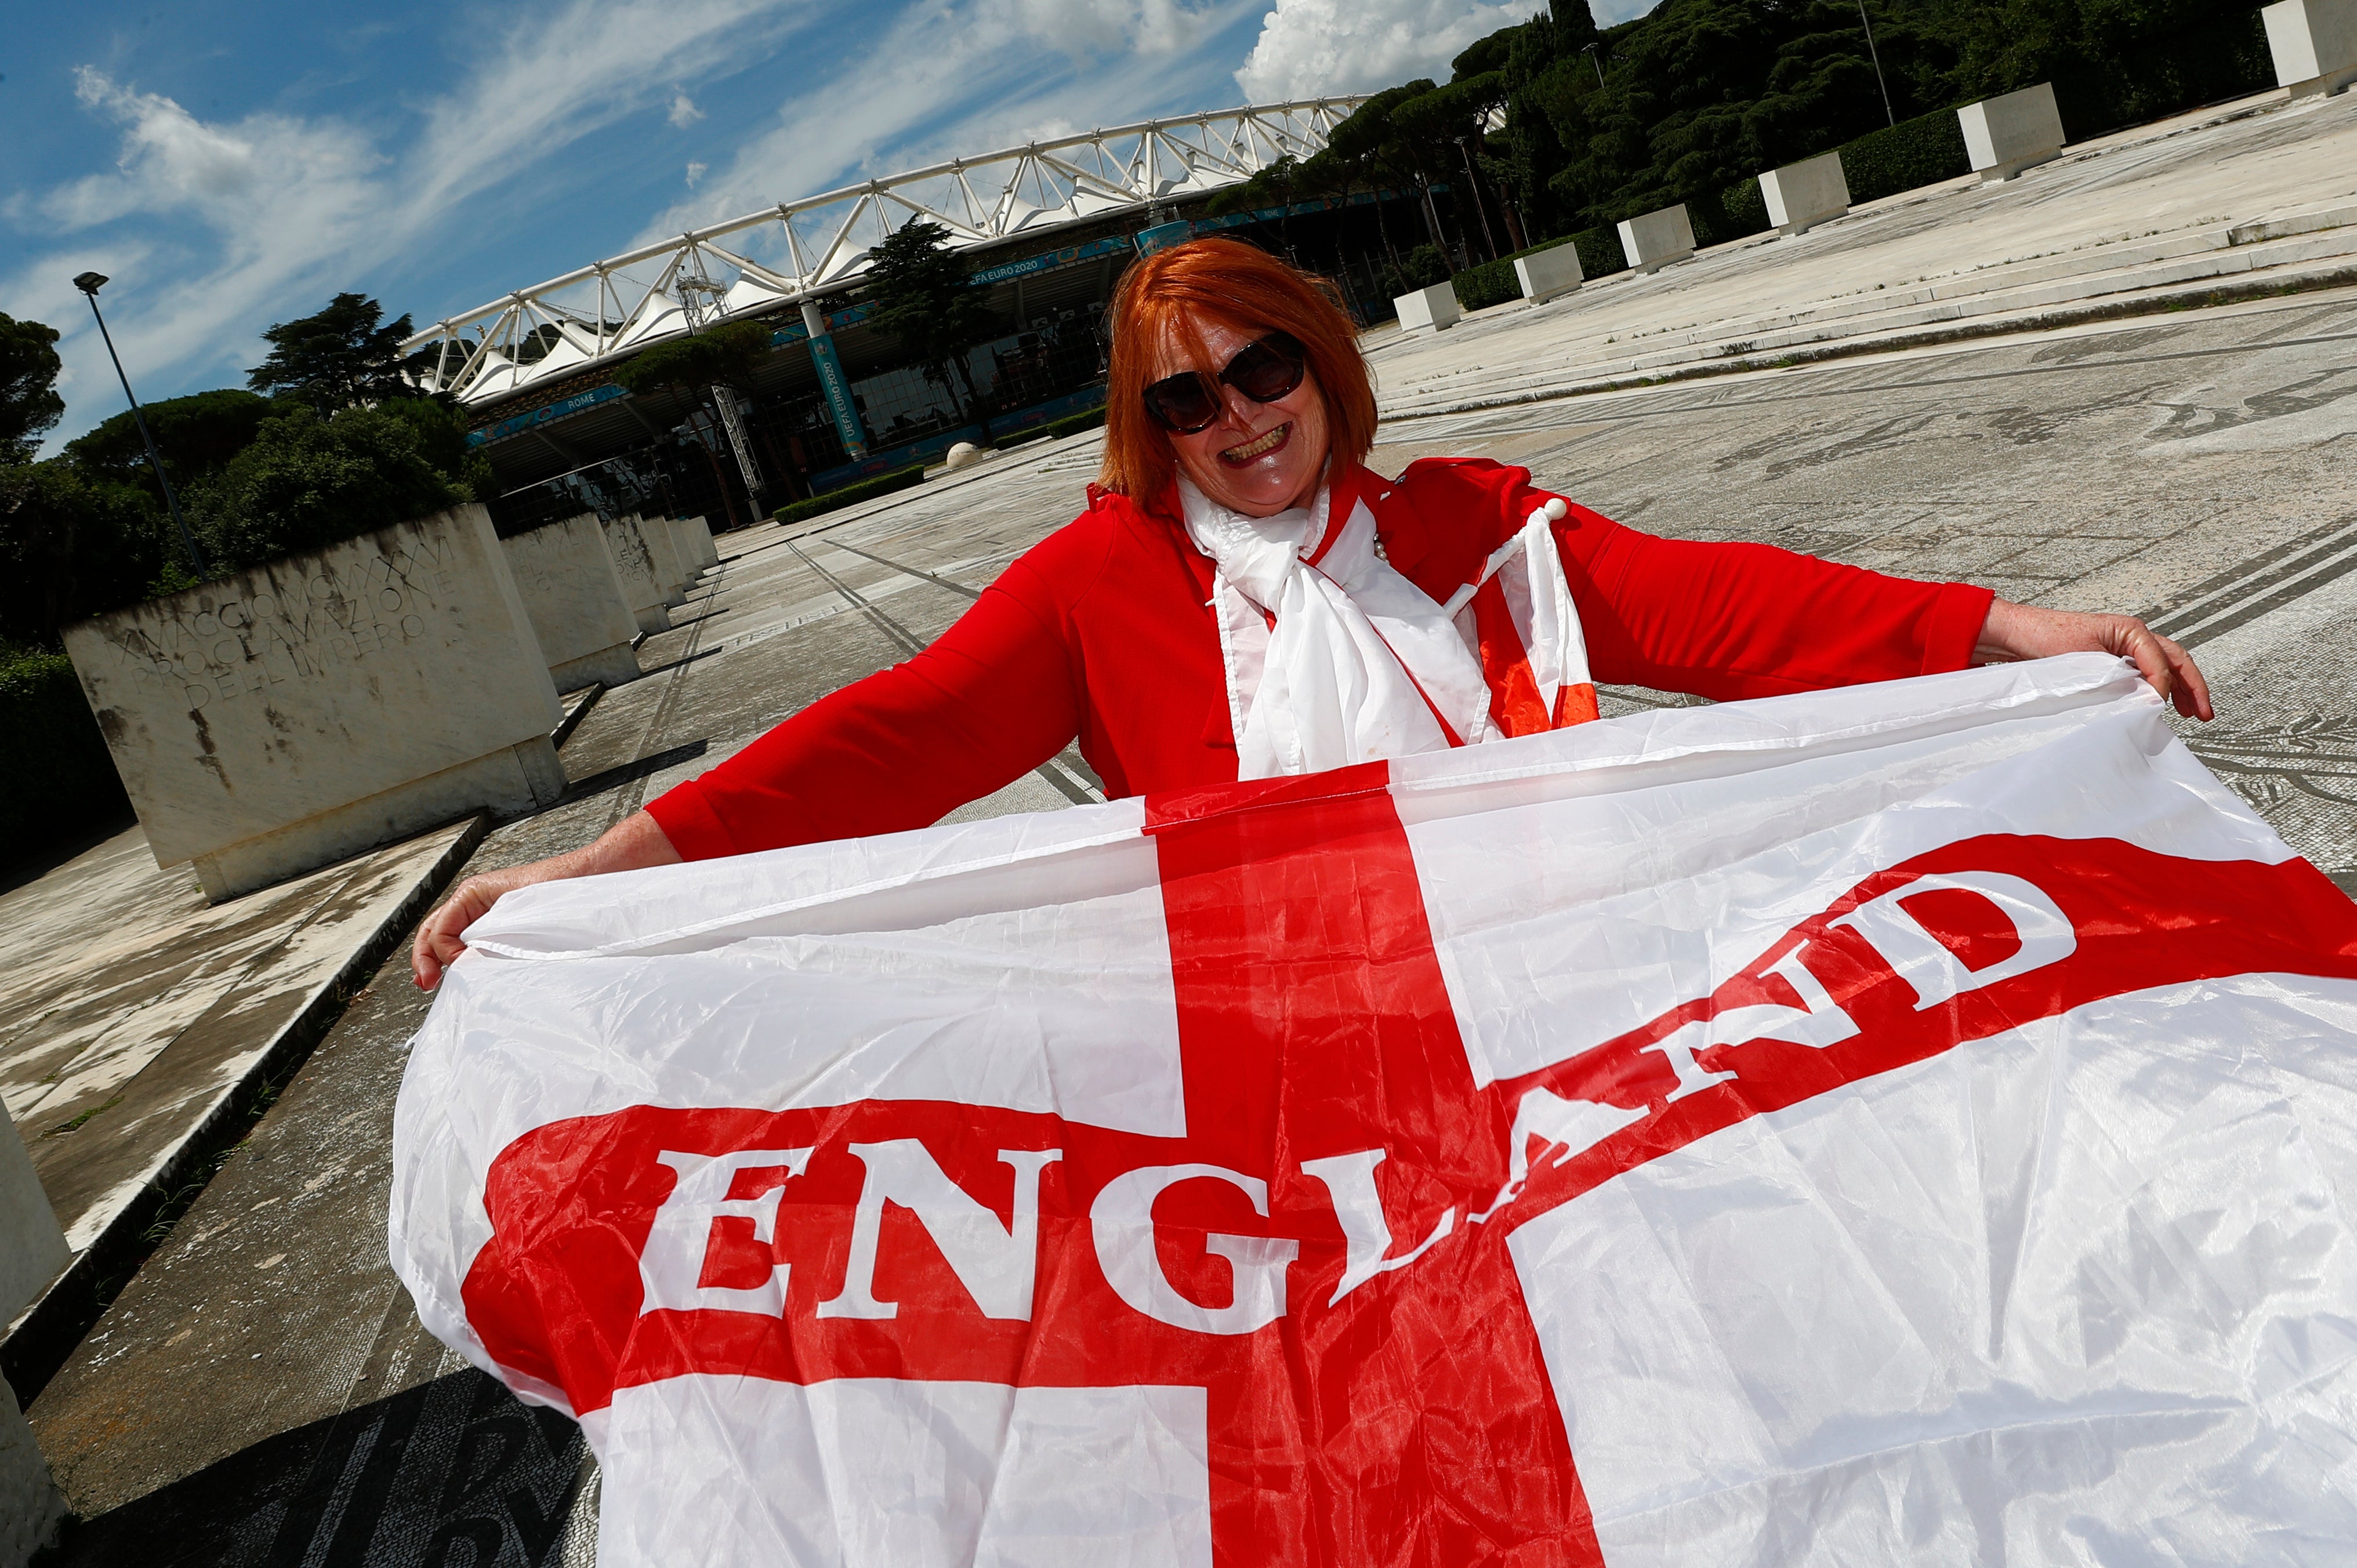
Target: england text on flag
1834 1129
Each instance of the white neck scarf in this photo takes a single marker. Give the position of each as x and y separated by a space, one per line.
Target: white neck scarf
1361 664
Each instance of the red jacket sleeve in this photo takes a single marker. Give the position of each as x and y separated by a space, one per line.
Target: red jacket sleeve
1720 620
994 696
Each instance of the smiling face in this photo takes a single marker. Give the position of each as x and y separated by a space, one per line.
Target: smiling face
1257 459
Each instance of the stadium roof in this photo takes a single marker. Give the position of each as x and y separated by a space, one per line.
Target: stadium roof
818 245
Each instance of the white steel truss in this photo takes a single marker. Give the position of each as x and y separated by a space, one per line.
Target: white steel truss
819 244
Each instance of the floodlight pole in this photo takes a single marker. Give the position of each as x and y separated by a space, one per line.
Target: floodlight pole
1876 53
90 284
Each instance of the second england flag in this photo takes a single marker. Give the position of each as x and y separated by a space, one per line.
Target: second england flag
1915 1123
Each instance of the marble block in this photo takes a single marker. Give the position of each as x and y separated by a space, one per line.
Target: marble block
2314 43
1544 274
682 545
33 1251
572 591
31 1510
1433 308
1657 239
1802 195
285 716
701 552
2005 136
636 563
663 552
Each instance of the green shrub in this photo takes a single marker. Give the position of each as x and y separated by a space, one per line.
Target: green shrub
1426 268
1911 154
1055 429
306 483
1600 252
1494 282
851 495
60 780
1729 214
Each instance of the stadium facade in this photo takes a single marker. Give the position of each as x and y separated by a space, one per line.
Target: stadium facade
1049 228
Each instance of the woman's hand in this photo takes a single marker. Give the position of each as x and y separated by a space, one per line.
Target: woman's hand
634 842
2018 631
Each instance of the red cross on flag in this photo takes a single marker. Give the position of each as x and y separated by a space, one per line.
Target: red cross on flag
1907 1123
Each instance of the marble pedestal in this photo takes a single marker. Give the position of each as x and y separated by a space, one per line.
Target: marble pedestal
283 717
572 591
663 552
2006 135
1433 309
634 560
1549 273
1657 239
2314 43
1802 195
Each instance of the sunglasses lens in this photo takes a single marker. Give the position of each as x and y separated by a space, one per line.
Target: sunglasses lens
1268 369
1183 402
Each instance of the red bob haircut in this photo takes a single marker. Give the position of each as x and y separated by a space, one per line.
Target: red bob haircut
1174 292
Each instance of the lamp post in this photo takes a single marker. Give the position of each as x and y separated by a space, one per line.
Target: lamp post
1887 113
1590 51
90 284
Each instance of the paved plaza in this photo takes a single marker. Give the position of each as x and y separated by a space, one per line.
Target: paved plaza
262 1393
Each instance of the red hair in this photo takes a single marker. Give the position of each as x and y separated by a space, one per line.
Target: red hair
1173 291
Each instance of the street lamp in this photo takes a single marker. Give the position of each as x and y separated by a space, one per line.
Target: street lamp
1590 51
1887 113
90 284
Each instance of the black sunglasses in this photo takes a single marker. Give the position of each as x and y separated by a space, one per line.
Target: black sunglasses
1263 371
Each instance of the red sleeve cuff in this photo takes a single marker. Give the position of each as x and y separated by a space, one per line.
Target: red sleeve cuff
1951 627
688 820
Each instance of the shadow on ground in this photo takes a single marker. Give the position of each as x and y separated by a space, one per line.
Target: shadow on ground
452 1473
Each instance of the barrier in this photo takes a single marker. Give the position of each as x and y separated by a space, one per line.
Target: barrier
1433 309
2006 135
2314 43
1802 195
283 717
1549 273
1657 239
573 595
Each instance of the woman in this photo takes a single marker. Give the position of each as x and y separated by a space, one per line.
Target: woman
1242 598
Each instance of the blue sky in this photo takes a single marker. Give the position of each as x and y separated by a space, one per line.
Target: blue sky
230 165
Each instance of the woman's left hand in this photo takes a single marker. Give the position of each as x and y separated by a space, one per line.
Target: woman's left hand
2020 632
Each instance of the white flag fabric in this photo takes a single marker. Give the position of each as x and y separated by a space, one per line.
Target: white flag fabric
1909 1123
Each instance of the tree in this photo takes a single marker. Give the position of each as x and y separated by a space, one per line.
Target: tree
337 358
306 483
69 547
29 405
920 293
196 436
688 367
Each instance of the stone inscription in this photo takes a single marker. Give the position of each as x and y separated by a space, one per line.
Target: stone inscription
304 630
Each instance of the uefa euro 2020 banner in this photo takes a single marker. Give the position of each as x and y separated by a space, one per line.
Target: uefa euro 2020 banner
1909 1123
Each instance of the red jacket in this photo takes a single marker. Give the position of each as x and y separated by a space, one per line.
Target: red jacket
1101 630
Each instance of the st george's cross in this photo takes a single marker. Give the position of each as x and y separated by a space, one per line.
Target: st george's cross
1301 1317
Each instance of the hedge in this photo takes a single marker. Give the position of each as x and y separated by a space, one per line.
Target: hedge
1905 156
851 495
1494 283
59 780
1055 429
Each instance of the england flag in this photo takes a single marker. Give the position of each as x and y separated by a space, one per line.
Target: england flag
1905 1123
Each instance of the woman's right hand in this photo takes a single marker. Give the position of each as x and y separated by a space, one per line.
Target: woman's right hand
635 841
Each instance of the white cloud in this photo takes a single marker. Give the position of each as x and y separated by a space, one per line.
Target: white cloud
1315 48
695 174
281 210
907 100
683 112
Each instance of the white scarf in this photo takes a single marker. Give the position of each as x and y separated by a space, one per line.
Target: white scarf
1361 664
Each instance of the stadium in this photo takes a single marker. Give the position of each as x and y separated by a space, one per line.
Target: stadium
1047 228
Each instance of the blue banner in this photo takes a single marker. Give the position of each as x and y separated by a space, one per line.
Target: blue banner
838 396
516 424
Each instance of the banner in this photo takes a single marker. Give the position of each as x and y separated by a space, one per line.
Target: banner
1905 1123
